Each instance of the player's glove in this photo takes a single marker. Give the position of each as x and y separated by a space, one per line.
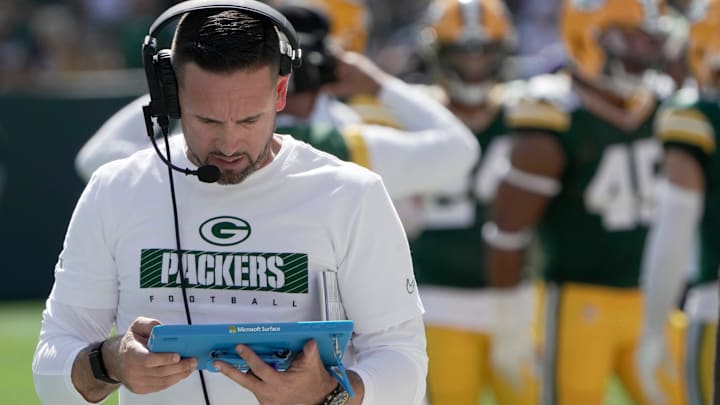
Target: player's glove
651 358
512 348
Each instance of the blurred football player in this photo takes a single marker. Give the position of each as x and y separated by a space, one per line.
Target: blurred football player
469 40
688 217
350 25
582 176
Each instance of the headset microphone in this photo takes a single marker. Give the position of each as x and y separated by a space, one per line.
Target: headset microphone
206 174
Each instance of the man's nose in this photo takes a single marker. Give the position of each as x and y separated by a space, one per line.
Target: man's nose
230 140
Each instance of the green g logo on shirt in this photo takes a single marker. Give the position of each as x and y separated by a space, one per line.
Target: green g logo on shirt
225 231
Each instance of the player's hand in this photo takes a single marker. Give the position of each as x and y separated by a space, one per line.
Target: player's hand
512 351
356 74
651 358
141 371
305 381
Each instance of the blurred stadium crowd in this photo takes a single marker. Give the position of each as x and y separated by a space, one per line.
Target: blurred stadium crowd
42 37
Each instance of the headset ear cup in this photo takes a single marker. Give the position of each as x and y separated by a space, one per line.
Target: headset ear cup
285 65
168 83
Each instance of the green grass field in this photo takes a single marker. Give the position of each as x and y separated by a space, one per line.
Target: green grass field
18 337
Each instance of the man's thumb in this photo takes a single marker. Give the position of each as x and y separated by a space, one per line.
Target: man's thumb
142 326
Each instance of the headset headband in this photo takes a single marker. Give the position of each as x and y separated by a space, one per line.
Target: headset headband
251 6
158 66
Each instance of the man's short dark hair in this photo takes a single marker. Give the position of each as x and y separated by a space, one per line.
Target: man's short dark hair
224 41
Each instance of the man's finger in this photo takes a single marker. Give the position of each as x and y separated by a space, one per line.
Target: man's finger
247 380
311 348
183 366
257 365
143 380
154 383
172 377
161 359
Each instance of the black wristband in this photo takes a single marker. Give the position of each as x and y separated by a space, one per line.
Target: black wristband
97 365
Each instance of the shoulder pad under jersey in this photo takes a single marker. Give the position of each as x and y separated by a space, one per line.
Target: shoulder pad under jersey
543 104
682 120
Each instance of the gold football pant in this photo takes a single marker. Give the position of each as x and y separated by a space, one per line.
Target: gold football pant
590 333
460 370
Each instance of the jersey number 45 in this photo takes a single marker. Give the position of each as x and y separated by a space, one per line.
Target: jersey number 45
623 188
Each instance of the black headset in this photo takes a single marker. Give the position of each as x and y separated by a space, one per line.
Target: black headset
158 63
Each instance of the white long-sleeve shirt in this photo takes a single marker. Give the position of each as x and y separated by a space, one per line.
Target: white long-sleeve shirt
308 212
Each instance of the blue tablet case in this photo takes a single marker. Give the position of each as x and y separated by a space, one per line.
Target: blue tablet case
276 342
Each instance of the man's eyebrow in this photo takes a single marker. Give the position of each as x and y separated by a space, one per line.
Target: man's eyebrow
249 118
243 120
207 119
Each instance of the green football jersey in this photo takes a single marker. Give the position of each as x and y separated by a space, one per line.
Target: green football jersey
323 137
593 230
449 252
691 123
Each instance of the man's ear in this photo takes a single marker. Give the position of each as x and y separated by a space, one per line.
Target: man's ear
281 88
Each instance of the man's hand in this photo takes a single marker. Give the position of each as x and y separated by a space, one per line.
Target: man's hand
356 75
141 371
652 357
306 381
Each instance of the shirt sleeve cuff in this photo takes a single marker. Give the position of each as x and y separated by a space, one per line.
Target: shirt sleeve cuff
369 395
67 376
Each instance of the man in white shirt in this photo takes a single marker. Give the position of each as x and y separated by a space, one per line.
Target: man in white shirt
303 212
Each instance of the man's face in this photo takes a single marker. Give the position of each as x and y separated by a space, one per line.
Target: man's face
228 119
474 65
637 49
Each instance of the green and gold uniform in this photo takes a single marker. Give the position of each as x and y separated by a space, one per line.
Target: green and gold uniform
346 145
447 257
691 123
592 235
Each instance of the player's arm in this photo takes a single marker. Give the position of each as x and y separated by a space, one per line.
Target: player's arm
668 248
537 161
431 145
670 242
120 136
689 141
